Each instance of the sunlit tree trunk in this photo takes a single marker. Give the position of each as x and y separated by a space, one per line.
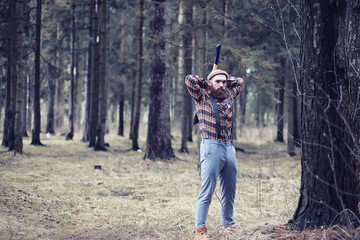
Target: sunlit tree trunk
179 81
86 133
330 117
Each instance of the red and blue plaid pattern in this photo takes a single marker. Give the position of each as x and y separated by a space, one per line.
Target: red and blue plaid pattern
207 123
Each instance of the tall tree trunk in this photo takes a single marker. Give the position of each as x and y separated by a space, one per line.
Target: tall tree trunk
137 97
158 143
37 117
330 119
95 74
86 134
8 139
101 126
18 128
122 74
71 107
79 76
280 103
179 82
186 103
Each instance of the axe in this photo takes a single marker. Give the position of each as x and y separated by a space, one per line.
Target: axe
217 56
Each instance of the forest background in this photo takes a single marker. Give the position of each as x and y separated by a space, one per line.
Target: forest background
114 70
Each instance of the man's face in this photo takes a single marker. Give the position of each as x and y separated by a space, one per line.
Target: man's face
218 81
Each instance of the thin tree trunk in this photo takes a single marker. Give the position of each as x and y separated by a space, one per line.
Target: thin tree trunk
79 76
95 74
86 134
71 109
51 102
121 111
101 127
37 117
30 101
122 74
280 103
179 82
137 98
12 63
18 128
24 104
186 103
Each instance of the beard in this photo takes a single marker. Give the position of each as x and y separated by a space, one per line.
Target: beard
219 94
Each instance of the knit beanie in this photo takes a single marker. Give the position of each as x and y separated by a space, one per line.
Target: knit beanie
217 72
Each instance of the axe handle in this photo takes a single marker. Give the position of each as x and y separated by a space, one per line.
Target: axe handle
217 56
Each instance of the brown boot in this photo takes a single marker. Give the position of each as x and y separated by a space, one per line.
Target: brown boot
200 233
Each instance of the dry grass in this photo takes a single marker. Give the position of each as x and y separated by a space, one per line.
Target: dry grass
54 192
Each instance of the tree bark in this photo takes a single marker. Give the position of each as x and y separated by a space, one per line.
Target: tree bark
95 74
122 74
178 89
121 110
281 100
18 128
330 120
50 125
137 96
37 117
71 107
158 144
86 134
101 127
186 102
9 135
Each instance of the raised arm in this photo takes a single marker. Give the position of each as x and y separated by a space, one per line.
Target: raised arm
194 85
235 84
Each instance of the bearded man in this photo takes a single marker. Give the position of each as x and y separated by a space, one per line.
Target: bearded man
214 110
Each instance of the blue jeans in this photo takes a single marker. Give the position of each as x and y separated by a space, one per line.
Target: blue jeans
217 159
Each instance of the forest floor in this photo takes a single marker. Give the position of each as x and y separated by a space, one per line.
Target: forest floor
56 192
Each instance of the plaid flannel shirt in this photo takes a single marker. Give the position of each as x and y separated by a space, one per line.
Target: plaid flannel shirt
207 123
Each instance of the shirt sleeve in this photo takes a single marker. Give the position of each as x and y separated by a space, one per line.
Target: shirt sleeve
194 85
235 85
